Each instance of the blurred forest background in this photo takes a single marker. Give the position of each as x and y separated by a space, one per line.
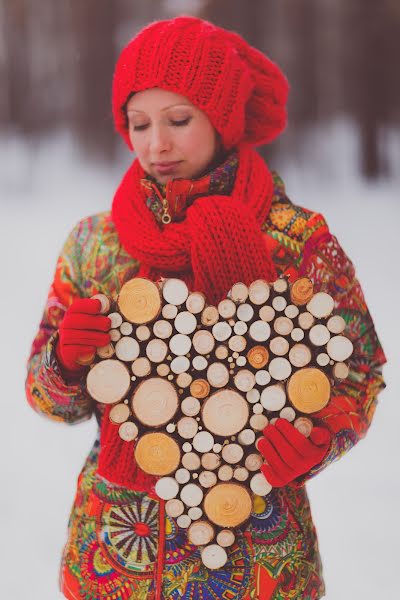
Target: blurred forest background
341 58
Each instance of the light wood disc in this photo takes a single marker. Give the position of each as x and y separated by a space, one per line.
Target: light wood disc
336 324
128 431
241 474
273 397
184 521
267 313
218 375
155 402
340 370
209 316
300 355
232 453
283 325
228 504
304 425
106 351
187 427
141 367
221 352
279 303
143 333
213 556
195 513
115 335
309 390
190 406
174 508
246 437
259 331
253 462
210 461
240 327
263 377
239 292
180 344
319 335
321 305
227 308
116 320
195 302
225 412
221 331
167 488
245 312
108 381
280 285
156 350
169 311
237 343
162 329
139 301
126 328
280 368
127 348
119 413
203 441
259 292
175 291
244 380
291 311
105 302
207 479
191 494
288 413
225 473
306 320
297 334
259 485
185 322
279 346
180 364
339 348
203 341
201 533
225 538
200 363
191 461
157 453
184 380
301 291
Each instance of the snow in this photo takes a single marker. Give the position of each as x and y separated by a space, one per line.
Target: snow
46 187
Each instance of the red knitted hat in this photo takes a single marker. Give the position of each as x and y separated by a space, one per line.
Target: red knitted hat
242 92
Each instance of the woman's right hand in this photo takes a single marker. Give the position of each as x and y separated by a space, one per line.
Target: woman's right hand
82 330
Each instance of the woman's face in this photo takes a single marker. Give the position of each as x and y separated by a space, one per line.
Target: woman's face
172 137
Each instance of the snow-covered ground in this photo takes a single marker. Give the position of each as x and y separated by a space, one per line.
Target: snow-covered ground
44 190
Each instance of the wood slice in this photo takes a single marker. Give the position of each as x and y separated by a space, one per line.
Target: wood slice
225 413
323 359
157 453
183 380
258 357
237 343
200 363
106 351
297 334
200 388
263 377
182 476
225 538
339 348
232 453
246 437
196 302
218 375
259 292
280 368
184 521
258 409
225 473
200 533
155 402
288 413
127 349
213 556
203 341
241 474
239 292
126 328
321 305
259 331
279 303
309 390
190 406
306 320
187 447
283 325
279 346
195 513
108 381
245 312
105 303
174 508
191 494
86 359
241 361
185 322
187 427
340 370
228 504
142 333
209 316
115 335
191 461
240 328
319 335
253 462
217 447
170 427
180 364
273 397
119 413
116 320
139 301
180 344
203 441
280 285
267 313
128 431
227 308
167 488
169 311
259 485
210 461
207 479
175 291
221 331
253 396
291 311
300 355
163 370
221 352
336 324
304 425
301 291
162 329
244 380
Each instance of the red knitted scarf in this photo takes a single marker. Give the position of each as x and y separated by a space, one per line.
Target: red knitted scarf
218 244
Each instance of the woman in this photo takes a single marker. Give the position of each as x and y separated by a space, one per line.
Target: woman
193 100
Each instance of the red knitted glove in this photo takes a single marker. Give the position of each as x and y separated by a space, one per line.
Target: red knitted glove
81 331
289 453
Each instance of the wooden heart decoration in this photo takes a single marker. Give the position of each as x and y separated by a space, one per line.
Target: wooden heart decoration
194 385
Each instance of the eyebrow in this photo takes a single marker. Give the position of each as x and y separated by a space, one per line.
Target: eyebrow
166 108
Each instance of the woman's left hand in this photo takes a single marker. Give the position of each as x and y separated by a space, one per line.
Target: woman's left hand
289 453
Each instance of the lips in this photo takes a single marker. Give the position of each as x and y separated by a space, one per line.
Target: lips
166 167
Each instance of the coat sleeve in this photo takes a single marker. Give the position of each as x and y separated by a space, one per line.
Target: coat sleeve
351 408
48 390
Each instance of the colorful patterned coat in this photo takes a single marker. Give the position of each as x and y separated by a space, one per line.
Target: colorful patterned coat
115 535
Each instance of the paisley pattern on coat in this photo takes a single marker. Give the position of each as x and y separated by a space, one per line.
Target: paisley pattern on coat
116 537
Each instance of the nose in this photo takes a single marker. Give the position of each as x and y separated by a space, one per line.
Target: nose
160 140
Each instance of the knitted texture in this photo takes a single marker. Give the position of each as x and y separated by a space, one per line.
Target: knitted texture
242 92
206 250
